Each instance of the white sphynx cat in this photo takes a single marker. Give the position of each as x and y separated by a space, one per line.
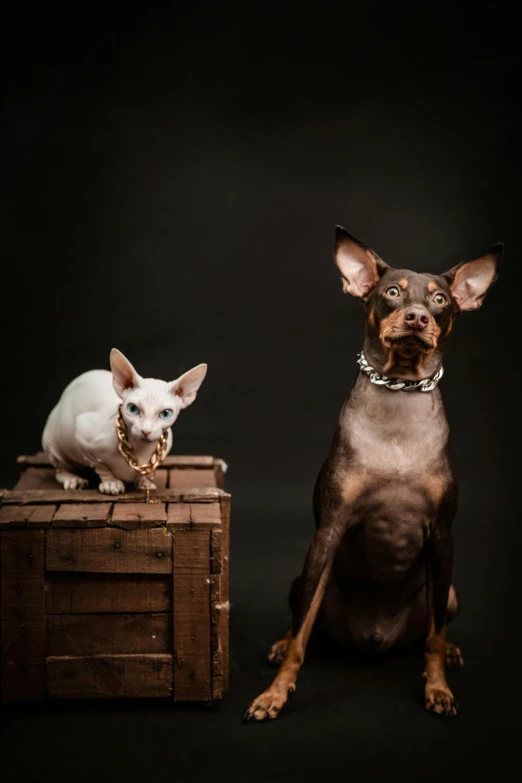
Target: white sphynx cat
81 432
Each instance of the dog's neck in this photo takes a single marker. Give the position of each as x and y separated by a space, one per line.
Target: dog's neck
388 361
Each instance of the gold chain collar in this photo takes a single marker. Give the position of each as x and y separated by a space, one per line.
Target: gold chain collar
128 455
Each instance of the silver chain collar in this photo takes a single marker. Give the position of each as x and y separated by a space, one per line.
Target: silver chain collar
426 385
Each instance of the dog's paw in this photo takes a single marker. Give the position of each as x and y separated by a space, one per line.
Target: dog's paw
268 705
112 487
453 657
276 652
440 701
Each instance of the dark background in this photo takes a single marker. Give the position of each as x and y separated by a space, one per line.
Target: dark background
172 183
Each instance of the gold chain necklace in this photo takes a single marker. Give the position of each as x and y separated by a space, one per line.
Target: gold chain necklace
128 455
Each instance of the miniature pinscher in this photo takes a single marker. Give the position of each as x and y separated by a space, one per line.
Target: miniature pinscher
378 573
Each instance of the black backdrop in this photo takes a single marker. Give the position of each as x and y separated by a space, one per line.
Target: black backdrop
173 182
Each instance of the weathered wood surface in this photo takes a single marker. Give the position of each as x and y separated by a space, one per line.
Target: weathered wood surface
108 634
192 478
40 459
198 515
192 654
224 586
22 607
109 550
138 515
216 568
79 515
26 516
75 593
173 495
103 676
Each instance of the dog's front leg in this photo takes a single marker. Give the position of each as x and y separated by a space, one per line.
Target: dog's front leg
438 697
316 571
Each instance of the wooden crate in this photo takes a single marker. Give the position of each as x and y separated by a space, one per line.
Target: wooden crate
105 596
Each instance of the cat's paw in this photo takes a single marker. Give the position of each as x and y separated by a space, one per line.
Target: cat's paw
145 483
112 487
70 481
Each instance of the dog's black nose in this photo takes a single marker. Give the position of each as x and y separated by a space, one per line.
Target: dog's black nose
417 317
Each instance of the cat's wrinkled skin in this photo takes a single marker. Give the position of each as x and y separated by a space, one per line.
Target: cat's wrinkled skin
379 568
80 432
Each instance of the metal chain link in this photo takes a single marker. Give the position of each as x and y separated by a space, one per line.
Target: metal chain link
395 384
128 455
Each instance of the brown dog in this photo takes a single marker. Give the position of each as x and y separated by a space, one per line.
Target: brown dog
378 571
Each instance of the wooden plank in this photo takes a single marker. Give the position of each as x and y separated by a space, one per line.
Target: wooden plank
108 634
22 606
216 644
199 515
80 515
188 477
216 631
26 516
225 605
74 593
202 461
37 478
194 461
192 664
34 496
201 495
109 676
108 550
133 515
161 479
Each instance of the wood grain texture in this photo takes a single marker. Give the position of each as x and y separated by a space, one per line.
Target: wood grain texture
40 459
35 496
192 652
37 478
108 634
74 593
198 515
109 550
104 676
225 610
184 461
26 516
79 515
216 645
22 607
188 477
139 515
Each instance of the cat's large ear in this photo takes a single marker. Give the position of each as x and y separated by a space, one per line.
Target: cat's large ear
187 385
359 265
470 280
124 376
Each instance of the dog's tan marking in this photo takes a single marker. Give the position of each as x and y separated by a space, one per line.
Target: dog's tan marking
438 697
432 287
403 283
269 704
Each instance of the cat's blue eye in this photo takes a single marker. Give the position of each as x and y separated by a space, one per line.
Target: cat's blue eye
166 414
132 409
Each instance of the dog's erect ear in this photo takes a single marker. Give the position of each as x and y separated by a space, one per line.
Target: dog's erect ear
470 280
124 376
359 266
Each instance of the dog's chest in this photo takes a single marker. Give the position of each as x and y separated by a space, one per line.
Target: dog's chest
394 434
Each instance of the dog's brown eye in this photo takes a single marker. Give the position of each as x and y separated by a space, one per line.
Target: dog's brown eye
440 299
392 291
